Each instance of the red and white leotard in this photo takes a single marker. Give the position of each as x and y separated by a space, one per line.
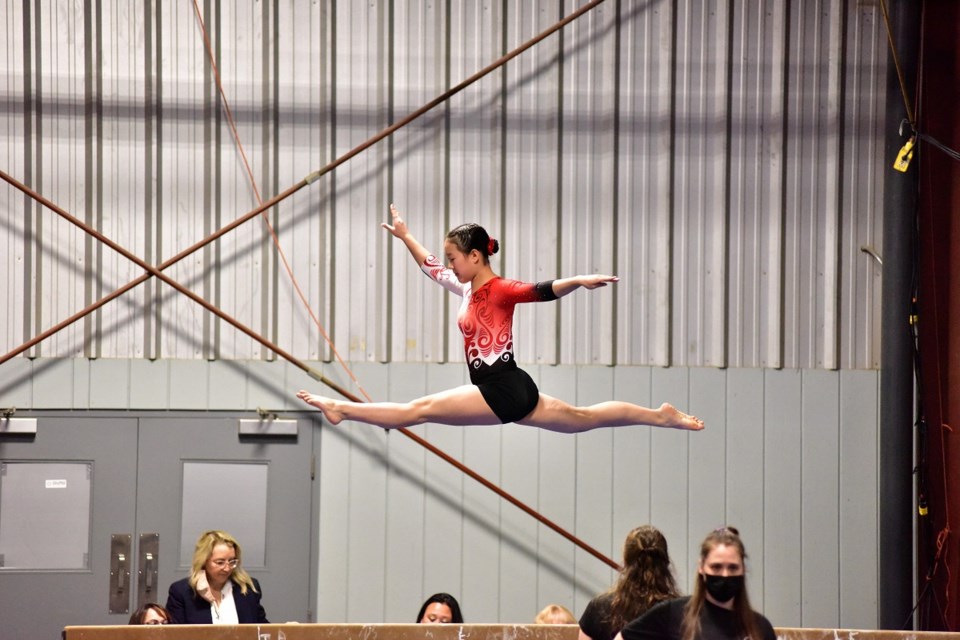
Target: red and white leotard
485 317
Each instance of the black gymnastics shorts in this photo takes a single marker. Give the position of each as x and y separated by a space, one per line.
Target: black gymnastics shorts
511 394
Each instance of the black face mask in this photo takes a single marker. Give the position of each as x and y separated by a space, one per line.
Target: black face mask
723 588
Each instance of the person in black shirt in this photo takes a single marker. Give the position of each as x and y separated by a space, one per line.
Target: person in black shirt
645 580
719 608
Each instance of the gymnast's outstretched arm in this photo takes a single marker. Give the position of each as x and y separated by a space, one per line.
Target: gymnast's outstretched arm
563 286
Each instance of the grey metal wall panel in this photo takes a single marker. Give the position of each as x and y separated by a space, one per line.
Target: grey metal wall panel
782 396
859 455
708 453
820 507
588 219
15 129
483 448
757 109
864 125
519 465
670 472
592 487
745 488
644 167
700 226
444 513
789 457
723 159
531 201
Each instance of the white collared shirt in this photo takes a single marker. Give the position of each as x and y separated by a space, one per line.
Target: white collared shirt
226 611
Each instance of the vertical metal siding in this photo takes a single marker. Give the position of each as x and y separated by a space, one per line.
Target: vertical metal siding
644 238
531 233
723 159
588 215
699 165
756 155
15 128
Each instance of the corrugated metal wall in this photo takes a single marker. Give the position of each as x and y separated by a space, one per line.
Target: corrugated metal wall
722 158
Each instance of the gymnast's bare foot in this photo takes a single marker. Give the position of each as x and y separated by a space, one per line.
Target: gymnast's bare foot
326 405
676 419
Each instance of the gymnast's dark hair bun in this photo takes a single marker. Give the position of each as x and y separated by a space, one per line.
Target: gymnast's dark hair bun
472 236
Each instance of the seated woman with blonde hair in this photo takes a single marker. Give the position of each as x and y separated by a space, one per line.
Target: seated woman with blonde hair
219 590
555 614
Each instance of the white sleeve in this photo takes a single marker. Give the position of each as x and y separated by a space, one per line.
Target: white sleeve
442 276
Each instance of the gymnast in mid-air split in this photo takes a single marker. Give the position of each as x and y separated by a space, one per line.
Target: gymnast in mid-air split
500 392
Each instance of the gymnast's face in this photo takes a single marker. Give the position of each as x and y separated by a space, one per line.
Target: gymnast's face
464 265
437 613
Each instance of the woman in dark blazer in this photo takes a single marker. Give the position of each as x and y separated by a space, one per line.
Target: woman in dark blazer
218 590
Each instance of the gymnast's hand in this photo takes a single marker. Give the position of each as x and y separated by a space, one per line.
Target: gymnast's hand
596 280
399 227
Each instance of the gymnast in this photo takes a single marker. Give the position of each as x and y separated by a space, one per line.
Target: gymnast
500 391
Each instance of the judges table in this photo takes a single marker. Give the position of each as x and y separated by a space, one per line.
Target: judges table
424 632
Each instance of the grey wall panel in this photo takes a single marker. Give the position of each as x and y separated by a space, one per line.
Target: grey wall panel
558 470
789 457
417 178
700 225
745 489
723 160
587 191
859 476
812 196
757 108
862 191
150 387
708 455
519 475
481 530
592 489
669 471
366 517
531 202
15 130
819 510
404 552
361 106
644 164
783 490
444 513
17 383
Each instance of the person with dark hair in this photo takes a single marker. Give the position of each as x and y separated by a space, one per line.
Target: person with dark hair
440 608
218 590
719 608
645 580
500 391
150 613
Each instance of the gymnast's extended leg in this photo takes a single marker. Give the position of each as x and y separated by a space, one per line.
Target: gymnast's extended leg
462 405
556 415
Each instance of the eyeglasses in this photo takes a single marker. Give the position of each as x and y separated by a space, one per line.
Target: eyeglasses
220 564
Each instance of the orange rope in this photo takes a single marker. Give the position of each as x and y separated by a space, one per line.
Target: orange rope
256 193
